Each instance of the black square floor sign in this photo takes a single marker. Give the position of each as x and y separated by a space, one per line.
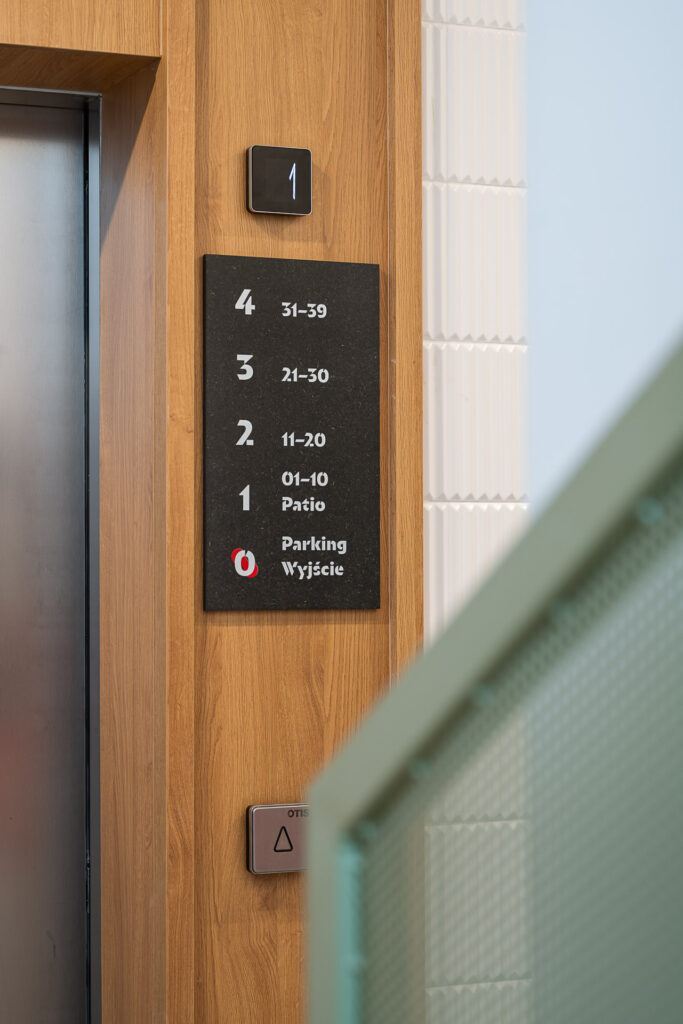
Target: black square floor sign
291 434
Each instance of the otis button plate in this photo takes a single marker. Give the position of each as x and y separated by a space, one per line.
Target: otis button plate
276 838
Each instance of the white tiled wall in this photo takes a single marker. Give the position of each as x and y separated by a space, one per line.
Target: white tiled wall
476 134
492 945
474 411
487 13
473 262
475 352
471 536
475 346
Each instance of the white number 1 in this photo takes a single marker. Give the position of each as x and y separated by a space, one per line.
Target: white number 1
292 178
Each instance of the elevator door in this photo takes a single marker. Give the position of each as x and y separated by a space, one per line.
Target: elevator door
43 567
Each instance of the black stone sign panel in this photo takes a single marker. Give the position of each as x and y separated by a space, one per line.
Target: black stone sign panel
291 434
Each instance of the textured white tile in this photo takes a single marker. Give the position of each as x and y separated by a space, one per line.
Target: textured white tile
488 13
472 105
491 782
503 1002
475 903
474 256
462 545
474 409
474 259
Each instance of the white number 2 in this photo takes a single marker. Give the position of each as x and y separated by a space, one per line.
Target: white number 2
245 436
292 178
244 302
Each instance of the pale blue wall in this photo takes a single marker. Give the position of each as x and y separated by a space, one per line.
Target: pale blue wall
605 137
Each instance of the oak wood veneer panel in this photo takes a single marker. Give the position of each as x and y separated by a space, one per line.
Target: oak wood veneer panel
148 339
277 692
39 67
405 327
132 552
203 714
105 26
183 508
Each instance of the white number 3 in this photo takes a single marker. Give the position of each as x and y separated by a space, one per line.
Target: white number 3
245 372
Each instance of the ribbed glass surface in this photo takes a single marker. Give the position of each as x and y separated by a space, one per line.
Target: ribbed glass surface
529 868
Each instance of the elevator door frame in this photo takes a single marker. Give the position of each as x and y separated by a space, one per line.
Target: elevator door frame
90 105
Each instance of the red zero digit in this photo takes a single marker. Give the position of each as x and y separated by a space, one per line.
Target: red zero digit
245 563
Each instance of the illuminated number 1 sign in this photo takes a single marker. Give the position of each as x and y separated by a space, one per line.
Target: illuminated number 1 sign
279 180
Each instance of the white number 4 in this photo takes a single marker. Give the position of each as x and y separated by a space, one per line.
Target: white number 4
244 302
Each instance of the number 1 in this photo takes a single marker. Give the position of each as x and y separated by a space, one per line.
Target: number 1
292 178
245 495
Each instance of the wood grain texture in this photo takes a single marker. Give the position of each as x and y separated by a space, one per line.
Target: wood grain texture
123 26
405 328
204 714
132 550
39 67
278 692
178 67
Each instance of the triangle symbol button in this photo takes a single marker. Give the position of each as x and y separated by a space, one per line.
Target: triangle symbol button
283 844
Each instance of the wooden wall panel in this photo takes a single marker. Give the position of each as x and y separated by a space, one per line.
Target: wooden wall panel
117 26
183 506
203 714
40 67
404 138
132 555
277 692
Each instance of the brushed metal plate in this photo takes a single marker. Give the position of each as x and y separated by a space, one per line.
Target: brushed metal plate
276 838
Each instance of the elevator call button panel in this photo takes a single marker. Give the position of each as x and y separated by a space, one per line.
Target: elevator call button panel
291 434
276 838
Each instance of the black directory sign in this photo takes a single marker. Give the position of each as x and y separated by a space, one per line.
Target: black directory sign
291 434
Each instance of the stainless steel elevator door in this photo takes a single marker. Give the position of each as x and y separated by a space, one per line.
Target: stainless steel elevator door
42 567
